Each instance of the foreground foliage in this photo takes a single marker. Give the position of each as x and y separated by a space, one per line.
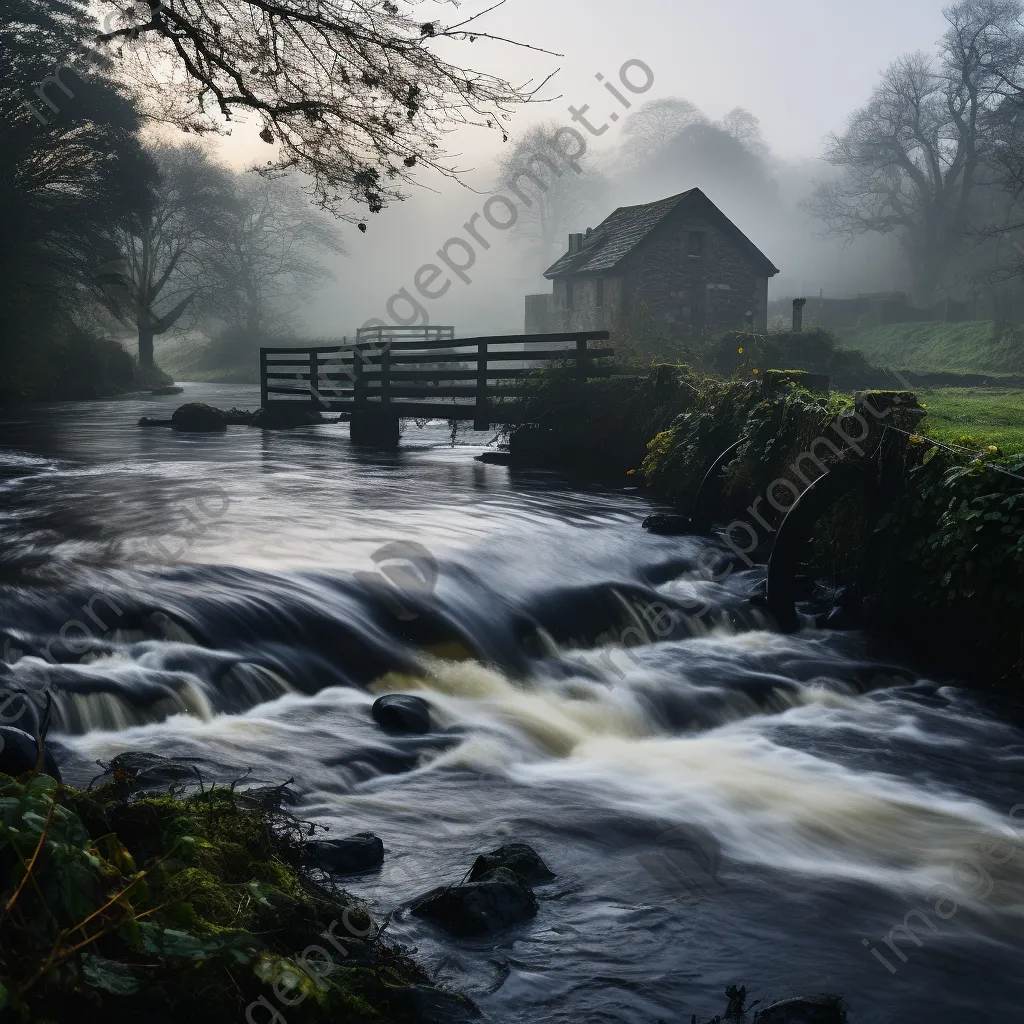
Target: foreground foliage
167 908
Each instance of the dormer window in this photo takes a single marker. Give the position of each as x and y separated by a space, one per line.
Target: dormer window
695 244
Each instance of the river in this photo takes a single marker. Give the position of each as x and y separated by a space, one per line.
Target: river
721 803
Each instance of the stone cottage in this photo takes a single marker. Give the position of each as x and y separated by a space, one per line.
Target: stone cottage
681 257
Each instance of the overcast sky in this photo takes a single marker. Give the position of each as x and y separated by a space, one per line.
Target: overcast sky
799 65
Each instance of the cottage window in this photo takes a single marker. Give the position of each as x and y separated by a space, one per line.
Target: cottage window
695 244
599 292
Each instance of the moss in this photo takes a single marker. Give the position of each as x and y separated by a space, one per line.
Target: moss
601 426
168 907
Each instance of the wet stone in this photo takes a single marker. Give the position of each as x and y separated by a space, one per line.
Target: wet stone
401 713
350 856
519 858
478 908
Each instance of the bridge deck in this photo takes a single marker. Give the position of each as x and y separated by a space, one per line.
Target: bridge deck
431 376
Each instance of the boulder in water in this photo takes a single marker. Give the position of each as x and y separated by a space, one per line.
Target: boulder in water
668 525
823 1009
478 908
523 861
19 753
284 415
351 856
197 417
402 713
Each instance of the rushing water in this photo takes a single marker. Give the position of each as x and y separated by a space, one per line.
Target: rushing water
722 804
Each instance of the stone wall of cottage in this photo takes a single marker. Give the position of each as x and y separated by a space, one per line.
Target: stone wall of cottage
716 291
555 313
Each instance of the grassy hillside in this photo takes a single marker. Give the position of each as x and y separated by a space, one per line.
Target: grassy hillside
936 347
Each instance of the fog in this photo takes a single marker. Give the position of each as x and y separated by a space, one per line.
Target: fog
407 236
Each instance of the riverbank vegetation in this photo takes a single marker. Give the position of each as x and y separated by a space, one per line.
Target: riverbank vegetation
193 906
946 551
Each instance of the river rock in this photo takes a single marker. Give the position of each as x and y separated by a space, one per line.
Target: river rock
196 417
138 769
402 713
523 861
478 908
351 856
823 1009
668 525
284 415
19 753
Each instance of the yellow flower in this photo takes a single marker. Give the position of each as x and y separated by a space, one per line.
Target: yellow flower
630 472
756 370
992 448
740 351
924 405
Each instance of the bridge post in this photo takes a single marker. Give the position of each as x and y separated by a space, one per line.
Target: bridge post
385 377
582 360
358 385
264 394
314 380
481 418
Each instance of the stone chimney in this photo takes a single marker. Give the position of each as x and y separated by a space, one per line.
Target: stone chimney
798 315
575 243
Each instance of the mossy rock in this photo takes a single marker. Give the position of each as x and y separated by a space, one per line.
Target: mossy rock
285 416
519 858
198 418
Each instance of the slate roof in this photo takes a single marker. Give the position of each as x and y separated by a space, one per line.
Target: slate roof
620 234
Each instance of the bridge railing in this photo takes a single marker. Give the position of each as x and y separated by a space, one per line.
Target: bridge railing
436 377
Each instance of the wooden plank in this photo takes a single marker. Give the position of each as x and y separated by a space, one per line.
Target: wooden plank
448 375
526 357
411 346
571 337
325 360
304 350
426 391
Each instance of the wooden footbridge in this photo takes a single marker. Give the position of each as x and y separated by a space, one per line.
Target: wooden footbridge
423 372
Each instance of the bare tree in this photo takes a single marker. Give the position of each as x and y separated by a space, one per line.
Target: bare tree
648 129
161 272
742 125
555 199
351 92
264 263
914 156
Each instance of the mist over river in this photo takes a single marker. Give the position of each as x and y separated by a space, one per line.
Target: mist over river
721 803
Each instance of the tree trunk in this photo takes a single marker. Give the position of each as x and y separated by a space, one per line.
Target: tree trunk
146 346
